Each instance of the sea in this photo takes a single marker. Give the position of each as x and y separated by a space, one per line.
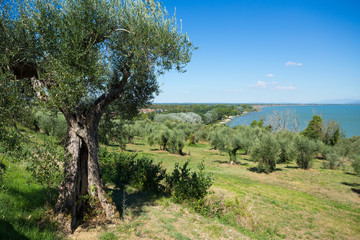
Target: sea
348 116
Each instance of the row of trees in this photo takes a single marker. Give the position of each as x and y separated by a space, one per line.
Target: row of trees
209 113
263 144
269 147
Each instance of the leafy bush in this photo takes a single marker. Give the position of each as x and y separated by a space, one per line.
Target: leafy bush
356 164
332 160
265 151
159 135
186 185
10 142
116 168
51 123
46 163
331 133
139 172
304 151
286 144
147 175
176 142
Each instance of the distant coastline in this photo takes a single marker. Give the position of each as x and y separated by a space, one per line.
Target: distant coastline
348 115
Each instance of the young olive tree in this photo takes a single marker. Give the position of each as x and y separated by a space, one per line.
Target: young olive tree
265 151
81 57
159 135
285 140
305 149
228 140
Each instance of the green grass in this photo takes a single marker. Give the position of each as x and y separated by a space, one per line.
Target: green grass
24 206
290 203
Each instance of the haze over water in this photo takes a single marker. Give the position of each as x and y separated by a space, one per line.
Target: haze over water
347 115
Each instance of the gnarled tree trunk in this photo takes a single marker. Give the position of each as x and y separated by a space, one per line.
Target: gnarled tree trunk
83 184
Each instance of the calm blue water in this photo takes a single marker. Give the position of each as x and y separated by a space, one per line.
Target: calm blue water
347 115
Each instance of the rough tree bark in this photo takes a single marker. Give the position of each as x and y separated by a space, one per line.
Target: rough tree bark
82 172
83 175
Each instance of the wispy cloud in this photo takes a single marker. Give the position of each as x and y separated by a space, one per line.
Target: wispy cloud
234 90
285 88
272 86
261 84
270 75
293 64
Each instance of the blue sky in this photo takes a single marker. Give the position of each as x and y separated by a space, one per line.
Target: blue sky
270 51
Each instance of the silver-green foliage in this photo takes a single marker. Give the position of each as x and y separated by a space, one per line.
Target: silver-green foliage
331 159
265 151
188 117
51 123
46 161
305 149
285 139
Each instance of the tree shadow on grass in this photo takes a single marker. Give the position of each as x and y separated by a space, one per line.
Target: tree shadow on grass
355 187
113 145
136 201
351 184
227 162
257 170
349 173
7 231
292 167
28 220
133 151
139 144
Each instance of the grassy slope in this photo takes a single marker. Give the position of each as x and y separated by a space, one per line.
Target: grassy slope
24 206
290 203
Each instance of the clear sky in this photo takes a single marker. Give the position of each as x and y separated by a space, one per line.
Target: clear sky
272 51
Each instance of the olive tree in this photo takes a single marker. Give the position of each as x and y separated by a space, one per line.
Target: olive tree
80 57
226 139
285 140
265 151
305 149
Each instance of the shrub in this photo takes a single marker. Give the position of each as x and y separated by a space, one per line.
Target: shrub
332 160
139 172
286 145
10 142
176 142
147 176
188 186
159 135
356 164
51 123
331 133
265 151
116 168
46 163
305 149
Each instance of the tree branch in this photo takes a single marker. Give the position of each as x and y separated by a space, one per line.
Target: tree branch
124 30
104 100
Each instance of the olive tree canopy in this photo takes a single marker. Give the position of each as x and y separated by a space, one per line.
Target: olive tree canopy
81 57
